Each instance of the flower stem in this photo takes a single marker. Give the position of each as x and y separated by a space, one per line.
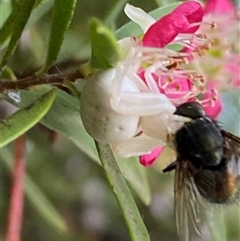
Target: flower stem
17 192
28 82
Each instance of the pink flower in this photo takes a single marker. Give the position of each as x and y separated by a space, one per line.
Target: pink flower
221 64
170 29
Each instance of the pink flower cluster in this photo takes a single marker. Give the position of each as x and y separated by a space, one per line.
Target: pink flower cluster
182 27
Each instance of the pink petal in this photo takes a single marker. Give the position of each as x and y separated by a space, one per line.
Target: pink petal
168 27
193 11
148 159
219 6
178 89
164 30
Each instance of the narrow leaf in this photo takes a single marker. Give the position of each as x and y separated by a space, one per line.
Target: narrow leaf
24 119
7 28
114 11
37 198
6 9
105 49
24 9
39 2
8 74
136 176
136 227
62 16
41 7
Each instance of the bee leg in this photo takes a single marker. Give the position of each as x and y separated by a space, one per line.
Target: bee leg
170 167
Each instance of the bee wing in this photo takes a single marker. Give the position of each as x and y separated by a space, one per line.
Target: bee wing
231 138
232 154
232 145
188 208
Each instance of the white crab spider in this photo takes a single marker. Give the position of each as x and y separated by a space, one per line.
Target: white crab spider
116 106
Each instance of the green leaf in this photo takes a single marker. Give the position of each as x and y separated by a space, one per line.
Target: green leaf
39 2
62 16
136 227
8 25
105 49
21 15
136 175
114 11
41 6
6 7
8 74
37 198
132 29
24 119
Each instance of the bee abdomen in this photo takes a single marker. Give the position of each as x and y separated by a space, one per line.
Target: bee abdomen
217 186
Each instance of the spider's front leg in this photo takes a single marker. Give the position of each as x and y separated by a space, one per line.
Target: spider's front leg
137 146
130 95
161 125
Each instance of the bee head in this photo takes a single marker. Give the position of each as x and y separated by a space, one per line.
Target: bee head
192 110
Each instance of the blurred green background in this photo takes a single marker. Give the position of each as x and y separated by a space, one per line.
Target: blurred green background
67 178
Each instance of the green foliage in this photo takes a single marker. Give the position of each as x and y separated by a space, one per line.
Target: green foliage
7 27
61 19
19 15
136 175
105 50
5 7
24 119
8 73
120 189
114 12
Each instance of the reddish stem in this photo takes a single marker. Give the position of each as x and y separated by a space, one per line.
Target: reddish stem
17 192
28 82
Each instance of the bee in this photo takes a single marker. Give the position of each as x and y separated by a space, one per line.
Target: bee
207 170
